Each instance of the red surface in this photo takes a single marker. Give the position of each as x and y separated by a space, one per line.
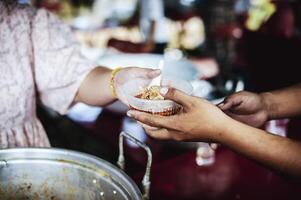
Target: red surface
230 177
175 175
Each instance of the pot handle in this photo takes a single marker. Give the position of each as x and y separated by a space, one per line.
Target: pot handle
121 161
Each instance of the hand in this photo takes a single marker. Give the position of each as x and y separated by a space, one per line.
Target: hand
130 73
199 120
247 107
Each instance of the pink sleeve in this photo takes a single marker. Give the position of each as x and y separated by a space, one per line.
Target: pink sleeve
59 66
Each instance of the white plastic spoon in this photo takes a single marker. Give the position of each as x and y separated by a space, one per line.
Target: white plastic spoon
157 81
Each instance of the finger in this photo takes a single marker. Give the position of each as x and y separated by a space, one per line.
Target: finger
164 134
213 146
146 73
177 96
225 105
151 120
154 73
147 127
230 102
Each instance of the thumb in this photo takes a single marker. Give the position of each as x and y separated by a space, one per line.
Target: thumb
225 105
231 102
176 95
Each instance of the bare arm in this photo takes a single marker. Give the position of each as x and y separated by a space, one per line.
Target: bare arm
96 89
202 121
283 103
275 152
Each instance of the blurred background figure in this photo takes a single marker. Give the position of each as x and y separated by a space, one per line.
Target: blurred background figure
152 27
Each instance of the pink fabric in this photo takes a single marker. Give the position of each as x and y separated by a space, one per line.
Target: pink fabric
40 60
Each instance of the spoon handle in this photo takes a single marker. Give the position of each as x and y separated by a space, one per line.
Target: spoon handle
157 81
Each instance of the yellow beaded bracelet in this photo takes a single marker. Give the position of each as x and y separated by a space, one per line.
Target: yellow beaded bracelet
112 81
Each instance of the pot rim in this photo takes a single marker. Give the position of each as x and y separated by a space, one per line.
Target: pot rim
81 159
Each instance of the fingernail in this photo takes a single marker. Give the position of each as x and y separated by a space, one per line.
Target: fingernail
221 105
156 71
163 91
129 113
213 146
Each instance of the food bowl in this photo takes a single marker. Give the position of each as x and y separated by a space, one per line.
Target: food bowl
134 88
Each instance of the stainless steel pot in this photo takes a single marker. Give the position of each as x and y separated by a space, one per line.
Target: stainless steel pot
58 174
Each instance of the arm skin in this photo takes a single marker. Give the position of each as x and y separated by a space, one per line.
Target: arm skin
277 153
95 90
283 103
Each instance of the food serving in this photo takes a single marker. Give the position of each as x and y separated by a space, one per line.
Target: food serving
145 98
152 93
151 101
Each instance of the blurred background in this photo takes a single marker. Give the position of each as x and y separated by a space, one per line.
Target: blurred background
221 47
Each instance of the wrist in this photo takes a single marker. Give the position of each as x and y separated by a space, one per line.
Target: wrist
113 82
266 98
232 133
224 129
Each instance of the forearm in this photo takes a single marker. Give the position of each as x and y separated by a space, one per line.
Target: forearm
275 152
283 103
95 90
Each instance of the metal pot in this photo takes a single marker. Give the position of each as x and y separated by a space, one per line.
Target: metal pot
58 174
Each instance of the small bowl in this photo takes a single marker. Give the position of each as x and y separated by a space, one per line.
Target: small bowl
134 87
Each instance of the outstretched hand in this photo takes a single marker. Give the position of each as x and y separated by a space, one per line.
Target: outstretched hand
246 107
199 120
130 73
